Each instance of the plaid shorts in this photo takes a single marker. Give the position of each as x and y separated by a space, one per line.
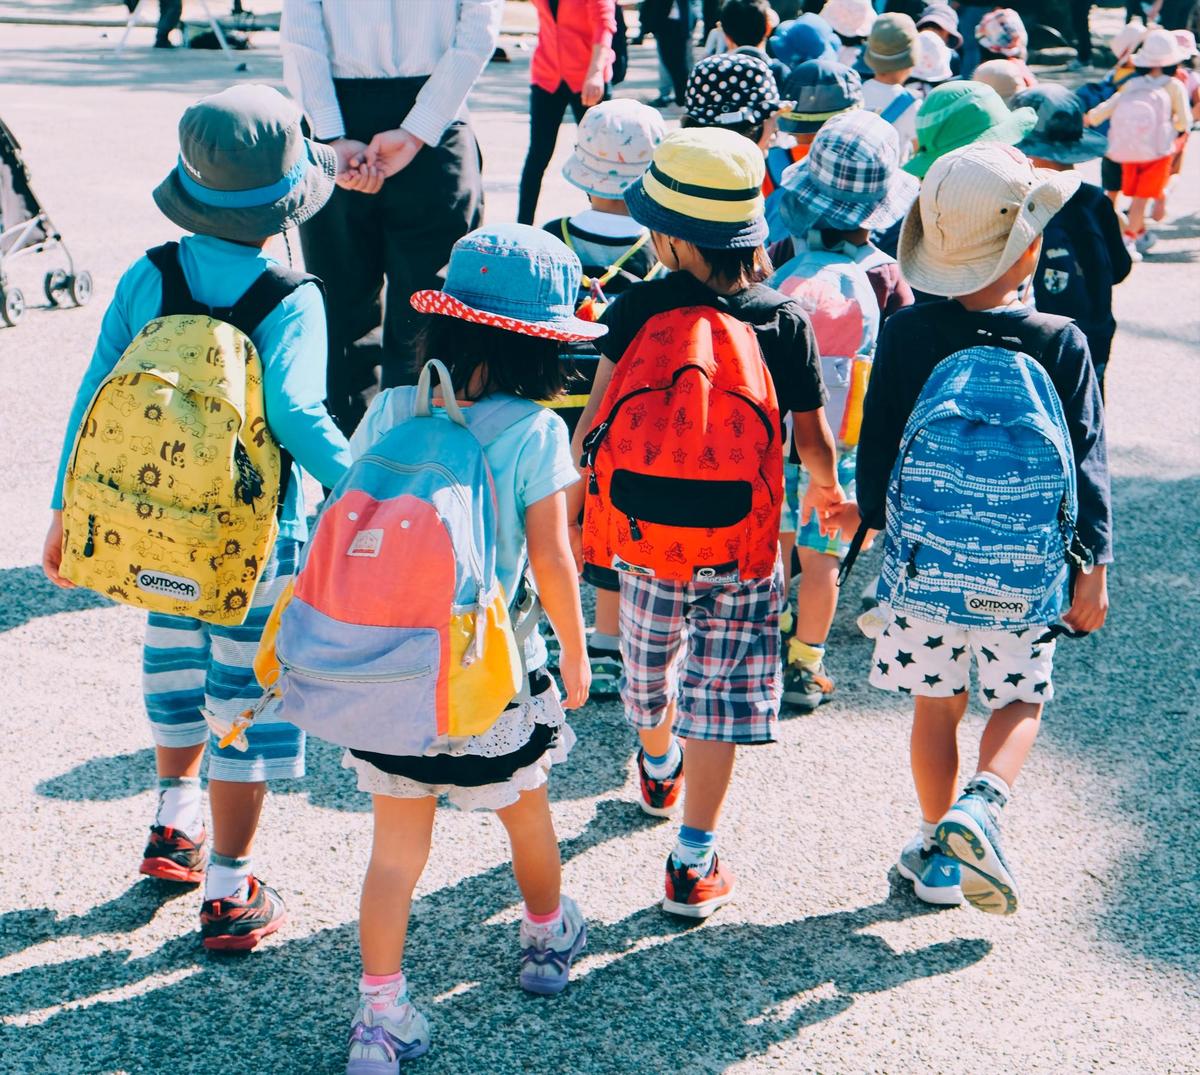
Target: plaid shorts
713 648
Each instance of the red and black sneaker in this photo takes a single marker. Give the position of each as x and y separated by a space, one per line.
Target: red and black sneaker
659 797
172 855
693 895
230 924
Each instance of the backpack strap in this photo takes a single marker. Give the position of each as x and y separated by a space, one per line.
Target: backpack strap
897 107
274 284
491 417
176 295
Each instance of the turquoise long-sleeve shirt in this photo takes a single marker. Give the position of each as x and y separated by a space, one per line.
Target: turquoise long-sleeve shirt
290 341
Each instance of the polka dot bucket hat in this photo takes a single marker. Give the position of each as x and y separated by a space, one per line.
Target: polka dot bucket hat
731 90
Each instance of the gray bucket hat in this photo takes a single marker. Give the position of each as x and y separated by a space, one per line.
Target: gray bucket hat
246 171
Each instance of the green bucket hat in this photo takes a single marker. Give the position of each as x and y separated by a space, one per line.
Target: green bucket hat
245 171
959 113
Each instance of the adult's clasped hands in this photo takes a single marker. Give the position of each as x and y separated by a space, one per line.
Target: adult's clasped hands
363 168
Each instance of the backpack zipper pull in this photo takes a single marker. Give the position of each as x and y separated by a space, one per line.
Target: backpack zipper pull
911 569
635 531
89 547
593 485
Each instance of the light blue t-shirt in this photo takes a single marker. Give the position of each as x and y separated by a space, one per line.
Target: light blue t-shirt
290 341
529 461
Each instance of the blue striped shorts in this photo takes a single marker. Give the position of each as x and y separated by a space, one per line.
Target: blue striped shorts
187 664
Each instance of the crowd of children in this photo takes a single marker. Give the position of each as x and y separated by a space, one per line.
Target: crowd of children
933 318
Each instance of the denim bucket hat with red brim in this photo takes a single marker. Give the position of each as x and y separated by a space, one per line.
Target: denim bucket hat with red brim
513 277
245 171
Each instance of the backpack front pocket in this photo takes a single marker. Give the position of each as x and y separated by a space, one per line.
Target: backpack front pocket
368 688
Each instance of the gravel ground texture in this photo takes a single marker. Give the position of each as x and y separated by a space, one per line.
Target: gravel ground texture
825 963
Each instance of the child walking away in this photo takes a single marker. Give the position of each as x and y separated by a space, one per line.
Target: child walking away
933 64
849 185
1146 116
1083 255
851 21
942 19
616 142
175 506
684 474
807 37
892 54
746 24
409 637
983 432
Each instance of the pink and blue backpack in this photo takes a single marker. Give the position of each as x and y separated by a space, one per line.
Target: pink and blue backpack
399 633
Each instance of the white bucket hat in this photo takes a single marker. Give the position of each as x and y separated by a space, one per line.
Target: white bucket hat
1159 49
933 58
616 141
1126 39
850 18
979 209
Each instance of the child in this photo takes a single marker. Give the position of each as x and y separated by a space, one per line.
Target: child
497 324
975 235
1082 252
1002 36
1146 116
733 91
616 142
746 25
933 64
942 20
1004 76
702 659
851 21
849 184
1123 45
891 54
191 667
1190 80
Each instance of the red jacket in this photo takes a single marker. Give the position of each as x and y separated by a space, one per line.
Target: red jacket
564 45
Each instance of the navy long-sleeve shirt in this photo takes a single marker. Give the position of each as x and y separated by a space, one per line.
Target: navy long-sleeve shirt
914 340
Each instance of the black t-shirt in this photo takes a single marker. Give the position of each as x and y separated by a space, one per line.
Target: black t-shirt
788 345
914 340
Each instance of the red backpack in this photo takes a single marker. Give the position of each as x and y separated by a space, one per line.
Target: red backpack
685 464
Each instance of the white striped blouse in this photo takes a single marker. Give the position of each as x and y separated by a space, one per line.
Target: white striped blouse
448 40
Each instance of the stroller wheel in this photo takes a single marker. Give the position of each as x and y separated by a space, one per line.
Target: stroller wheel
81 288
13 306
56 283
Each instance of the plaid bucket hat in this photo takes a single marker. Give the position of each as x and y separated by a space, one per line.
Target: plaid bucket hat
850 179
818 90
514 277
704 186
615 143
730 90
245 171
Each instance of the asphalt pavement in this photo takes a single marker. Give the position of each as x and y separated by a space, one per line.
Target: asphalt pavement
825 963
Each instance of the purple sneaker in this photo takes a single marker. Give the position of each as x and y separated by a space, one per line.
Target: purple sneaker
546 964
383 1038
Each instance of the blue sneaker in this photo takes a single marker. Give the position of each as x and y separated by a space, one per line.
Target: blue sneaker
969 835
384 1036
935 878
546 964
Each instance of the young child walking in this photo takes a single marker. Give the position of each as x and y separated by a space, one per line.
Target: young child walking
232 200
496 325
992 607
1145 118
616 141
849 185
700 626
1083 255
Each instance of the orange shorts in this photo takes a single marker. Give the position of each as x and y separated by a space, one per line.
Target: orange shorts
1145 179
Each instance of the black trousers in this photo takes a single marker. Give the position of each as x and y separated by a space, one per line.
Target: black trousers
674 38
401 236
546 111
1081 29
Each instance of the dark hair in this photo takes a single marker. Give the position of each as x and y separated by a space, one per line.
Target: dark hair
746 22
1170 71
753 131
527 366
742 267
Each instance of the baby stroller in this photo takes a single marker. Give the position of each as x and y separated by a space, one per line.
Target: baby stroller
26 229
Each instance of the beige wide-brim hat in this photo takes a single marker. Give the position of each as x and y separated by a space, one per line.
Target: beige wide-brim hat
979 209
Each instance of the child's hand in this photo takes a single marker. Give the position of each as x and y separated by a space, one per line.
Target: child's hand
576 673
52 552
845 517
819 501
353 172
1089 605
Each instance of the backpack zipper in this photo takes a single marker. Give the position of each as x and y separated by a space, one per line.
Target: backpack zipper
89 547
362 677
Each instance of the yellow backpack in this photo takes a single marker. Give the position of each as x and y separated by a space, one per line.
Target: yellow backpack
174 484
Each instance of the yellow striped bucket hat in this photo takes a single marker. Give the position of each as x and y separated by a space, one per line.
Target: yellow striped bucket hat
703 186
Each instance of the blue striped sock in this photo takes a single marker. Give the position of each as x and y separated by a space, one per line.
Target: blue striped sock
694 848
661 767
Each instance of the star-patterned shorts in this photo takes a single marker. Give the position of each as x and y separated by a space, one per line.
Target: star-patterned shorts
933 660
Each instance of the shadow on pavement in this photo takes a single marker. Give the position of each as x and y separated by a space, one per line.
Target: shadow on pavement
29 595
286 1007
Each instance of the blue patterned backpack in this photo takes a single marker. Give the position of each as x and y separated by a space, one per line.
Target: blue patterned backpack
982 501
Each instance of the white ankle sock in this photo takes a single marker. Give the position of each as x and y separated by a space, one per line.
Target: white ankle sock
179 804
666 766
227 877
995 784
927 830
597 640
384 991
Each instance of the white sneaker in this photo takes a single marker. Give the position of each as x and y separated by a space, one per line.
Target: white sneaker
383 1037
1131 249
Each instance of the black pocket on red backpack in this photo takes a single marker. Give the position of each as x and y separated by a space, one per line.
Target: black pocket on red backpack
691 502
